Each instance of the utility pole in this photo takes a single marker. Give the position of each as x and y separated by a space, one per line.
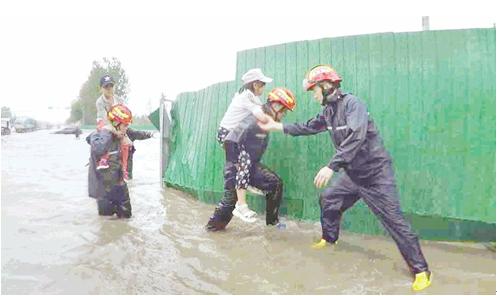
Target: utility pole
426 23
165 135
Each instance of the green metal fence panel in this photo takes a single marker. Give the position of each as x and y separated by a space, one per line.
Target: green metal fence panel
154 118
432 96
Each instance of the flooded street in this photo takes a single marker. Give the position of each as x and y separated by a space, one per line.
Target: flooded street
53 241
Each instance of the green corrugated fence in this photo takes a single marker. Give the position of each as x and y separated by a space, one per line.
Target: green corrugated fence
154 118
432 96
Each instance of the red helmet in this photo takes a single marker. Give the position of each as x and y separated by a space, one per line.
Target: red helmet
283 96
120 114
320 73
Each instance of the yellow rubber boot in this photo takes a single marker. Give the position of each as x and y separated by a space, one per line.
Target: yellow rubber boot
422 281
322 243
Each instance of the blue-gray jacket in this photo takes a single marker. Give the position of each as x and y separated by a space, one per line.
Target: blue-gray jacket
101 182
359 147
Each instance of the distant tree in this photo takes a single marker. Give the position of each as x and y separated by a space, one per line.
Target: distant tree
6 113
90 90
76 112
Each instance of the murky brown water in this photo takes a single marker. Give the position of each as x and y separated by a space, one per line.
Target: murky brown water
53 241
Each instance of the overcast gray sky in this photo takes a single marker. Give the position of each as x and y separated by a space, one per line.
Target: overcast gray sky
47 47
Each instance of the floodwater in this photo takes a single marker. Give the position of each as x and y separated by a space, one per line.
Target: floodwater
53 241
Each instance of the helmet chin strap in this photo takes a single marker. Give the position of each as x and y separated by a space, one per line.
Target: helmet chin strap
274 113
330 95
116 125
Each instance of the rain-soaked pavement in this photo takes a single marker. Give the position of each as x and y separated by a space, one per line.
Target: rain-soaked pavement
53 241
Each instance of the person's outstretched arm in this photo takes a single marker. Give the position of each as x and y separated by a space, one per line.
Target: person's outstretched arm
138 135
312 126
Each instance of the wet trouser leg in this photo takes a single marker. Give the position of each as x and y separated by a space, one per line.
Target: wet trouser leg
105 208
224 210
383 199
334 201
130 163
115 201
267 181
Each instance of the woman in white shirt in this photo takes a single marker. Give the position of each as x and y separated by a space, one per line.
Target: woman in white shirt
245 102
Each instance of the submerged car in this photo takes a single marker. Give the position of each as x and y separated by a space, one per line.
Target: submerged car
73 130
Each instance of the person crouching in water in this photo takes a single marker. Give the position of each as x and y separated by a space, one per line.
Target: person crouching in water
108 186
254 142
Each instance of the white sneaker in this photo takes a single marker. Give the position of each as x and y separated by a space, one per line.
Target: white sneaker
243 212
